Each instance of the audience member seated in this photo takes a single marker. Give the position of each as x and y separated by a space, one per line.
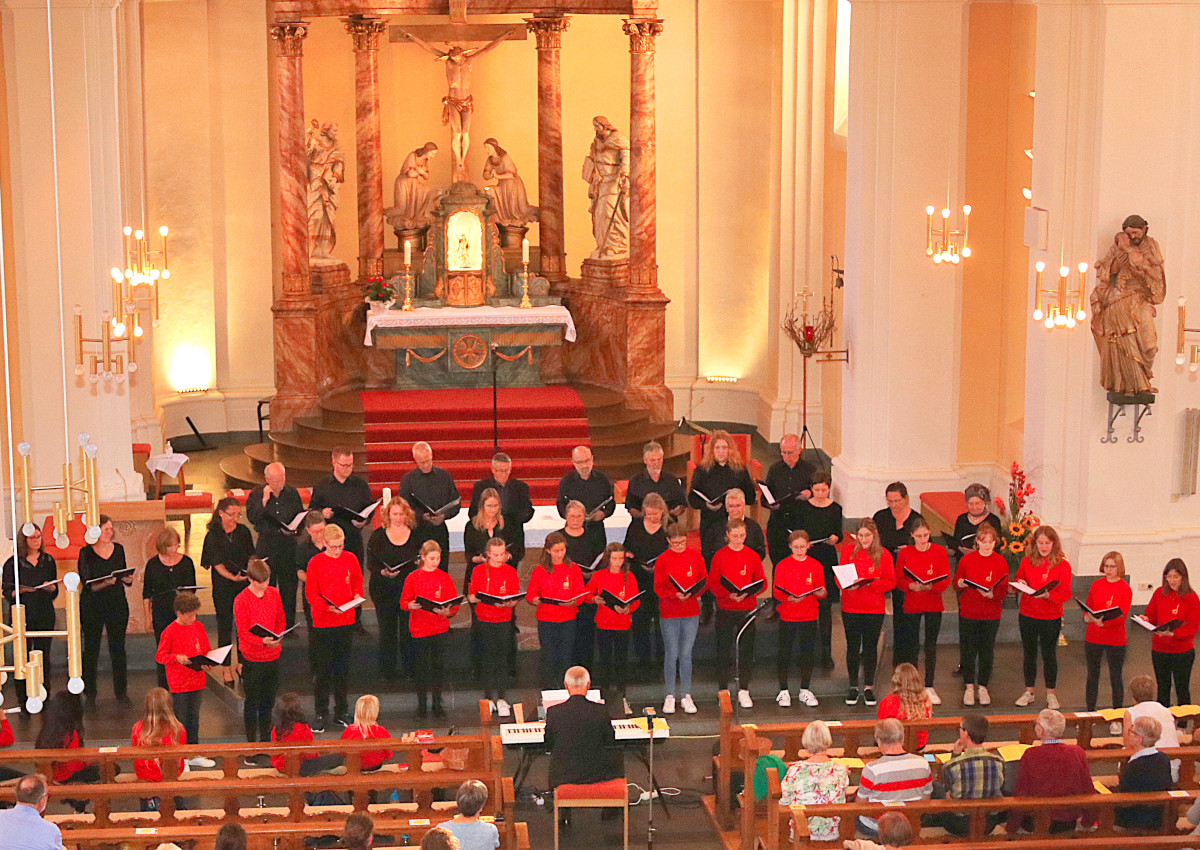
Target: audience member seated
896 776
972 773
471 832
439 838
22 827
231 837
894 832
817 779
359 832
909 699
366 726
580 738
1147 770
1052 768
1144 691
290 724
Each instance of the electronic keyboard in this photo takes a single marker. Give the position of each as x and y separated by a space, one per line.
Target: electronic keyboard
535 732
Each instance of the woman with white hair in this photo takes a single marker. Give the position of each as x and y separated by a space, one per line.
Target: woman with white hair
817 779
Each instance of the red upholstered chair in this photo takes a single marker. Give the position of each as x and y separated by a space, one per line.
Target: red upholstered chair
239 494
620 488
305 495
75 531
185 502
612 794
141 454
942 508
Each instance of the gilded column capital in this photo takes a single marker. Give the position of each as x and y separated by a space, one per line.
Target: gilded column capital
365 32
642 32
290 35
548 30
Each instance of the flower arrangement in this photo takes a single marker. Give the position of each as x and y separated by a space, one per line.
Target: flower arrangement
1017 521
378 291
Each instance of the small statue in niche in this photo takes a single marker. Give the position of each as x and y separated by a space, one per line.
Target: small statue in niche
411 195
512 204
606 170
326 171
1130 281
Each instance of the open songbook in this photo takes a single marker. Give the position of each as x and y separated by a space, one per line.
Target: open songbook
437 605
599 507
921 580
1104 615
493 599
262 631
612 600
192 587
571 600
292 525
694 590
593 566
394 571
752 589
983 588
1169 626
796 595
356 516
425 509
117 574
712 503
30 589
648 566
1029 591
771 501
345 606
847 576
210 659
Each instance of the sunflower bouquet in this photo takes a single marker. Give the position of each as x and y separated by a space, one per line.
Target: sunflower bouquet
1017 521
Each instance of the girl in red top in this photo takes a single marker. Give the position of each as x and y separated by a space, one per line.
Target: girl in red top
1174 650
181 641
429 626
259 605
1107 637
365 727
614 621
158 728
679 613
62 729
908 700
979 611
799 585
740 566
923 573
334 578
493 623
561 580
862 606
1040 615
289 724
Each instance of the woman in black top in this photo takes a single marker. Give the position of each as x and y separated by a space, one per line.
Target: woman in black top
822 518
392 553
227 550
967 524
104 608
583 548
721 469
309 544
166 572
645 540
37 567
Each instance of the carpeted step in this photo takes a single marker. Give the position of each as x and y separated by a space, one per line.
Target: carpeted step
473 430
445 451
461 404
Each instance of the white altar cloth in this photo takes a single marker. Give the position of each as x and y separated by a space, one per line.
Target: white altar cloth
426 317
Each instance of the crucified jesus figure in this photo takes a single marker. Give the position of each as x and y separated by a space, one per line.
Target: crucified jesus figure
456 106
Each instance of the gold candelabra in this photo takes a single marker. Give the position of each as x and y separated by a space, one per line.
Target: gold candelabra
407 305
941 244
102 361
1067 308
64 510
141 270
525 302
1181 343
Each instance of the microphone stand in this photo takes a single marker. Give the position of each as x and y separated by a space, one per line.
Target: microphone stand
495 403
651 718
737 658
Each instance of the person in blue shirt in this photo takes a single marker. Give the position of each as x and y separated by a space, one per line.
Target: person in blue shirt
22 827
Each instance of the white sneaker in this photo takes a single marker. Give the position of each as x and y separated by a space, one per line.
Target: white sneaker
688 706
1052 701
969 697
201 763
784 699
503 708
1025 698
628 710
808 698
933 696
744 699
669 704
984 697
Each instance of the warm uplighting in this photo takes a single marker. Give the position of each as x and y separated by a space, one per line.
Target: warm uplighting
1065 307
944 244
1181 341
191 369
720 379
1029 152
1028 193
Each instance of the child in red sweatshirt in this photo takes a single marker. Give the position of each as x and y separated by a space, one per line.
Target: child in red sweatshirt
739 566
429 627
181 641
613 620
334 580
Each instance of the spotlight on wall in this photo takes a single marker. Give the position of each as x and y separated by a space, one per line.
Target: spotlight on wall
720 379
191 369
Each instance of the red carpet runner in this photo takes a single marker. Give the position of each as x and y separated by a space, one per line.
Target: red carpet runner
538 428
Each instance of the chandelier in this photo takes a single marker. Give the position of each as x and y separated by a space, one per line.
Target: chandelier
947 245
1181 342
1066 309
142 269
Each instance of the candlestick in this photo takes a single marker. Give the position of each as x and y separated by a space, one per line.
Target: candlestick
525 302
1038 315
525 251
407 253
929 231
407 305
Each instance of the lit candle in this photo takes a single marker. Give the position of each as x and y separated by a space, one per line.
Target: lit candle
387 492
929 231
525 250
407 253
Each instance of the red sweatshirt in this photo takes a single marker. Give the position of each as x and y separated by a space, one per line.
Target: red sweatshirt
332 581
925 565
1049 607
498 581
742 567
64 770
867 598
890 706
798 575
564 581
186 640
150 770
1167 605
434 585
972 604
250 610
7 738
1105 594
298 732
370 758
622 584
687 568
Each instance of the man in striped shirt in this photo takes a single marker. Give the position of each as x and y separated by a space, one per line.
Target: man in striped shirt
895 777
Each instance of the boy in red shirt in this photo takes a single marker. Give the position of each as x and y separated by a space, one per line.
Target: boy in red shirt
334 579
799 585
740 566
181 641
493 622
259 605
429 627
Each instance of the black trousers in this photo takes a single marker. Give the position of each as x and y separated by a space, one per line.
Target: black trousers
494 640
95 622
558 644
392 641
260 679
1176 667
645 635
429 657
727 624
977 639
585 637
223 596
330 648
908 643
862 646
1041 634
613 646
159 623
186 706
1093 653
804 633
289 584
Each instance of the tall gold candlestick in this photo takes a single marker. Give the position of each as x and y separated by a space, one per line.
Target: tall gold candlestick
407 305
525 302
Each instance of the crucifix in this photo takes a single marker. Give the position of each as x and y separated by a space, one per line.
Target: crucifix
457 105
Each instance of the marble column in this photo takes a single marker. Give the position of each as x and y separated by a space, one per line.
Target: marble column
293 176
365 32
643 179
548 32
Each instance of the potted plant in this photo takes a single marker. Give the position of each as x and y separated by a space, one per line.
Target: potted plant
378 294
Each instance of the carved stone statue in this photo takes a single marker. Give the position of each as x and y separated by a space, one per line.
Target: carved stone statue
512 204
412 196
457 105
1130 281
326 171
606 170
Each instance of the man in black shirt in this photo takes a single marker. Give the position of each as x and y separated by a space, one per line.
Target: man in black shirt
587 485
735 505
654 480
343 489
515 504
790 483
433 496
897 520
269 508
580 738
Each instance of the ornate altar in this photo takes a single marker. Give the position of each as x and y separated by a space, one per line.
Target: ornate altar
463 265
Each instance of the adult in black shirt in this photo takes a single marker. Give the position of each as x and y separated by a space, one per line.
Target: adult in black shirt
822 519
227 550
897 521
645 540
392 553
165 573
36 567
588 486
515 503
967 524
584 545
790 483
270 508
343 489
104 608
720 470
428 489
1149 769
654 480
580 737
735 508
